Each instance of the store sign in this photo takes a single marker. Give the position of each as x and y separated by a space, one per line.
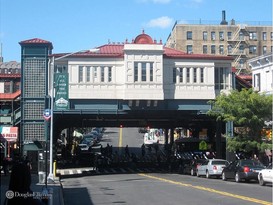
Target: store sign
9 133
61 91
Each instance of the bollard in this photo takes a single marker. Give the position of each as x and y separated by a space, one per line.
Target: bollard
54 168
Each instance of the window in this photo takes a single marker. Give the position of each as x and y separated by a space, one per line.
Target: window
229 49
241 48
271 50
201 75
194 75
181 75
229 34
257 82
102 74
80 74
136 72
213 49
189 49
109 74
221 78
264 49
252 35
205 35
221 35
188 74
205 49
174 75
252 49
213 36
95 72
151 72
264 36
271 34
221 49
143 72
241 36
189 35
88 71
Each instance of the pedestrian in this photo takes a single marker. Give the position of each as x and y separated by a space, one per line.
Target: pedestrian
143 151
19 191
127 153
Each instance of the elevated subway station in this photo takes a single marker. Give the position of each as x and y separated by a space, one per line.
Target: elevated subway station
131 84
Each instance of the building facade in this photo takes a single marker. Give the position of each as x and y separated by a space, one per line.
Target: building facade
262 73
240 41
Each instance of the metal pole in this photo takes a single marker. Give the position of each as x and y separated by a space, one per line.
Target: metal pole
50 175
52 66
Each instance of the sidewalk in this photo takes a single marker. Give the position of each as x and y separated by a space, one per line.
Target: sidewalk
57 195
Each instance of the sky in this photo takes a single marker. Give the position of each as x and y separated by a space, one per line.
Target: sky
74 25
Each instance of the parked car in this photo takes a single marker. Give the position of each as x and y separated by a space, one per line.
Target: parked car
242 169
87 142
190 168
212 167
265 175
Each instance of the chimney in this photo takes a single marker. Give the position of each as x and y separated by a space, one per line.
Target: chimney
224 22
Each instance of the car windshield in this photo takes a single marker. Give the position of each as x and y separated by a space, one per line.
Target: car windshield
251 163
86 140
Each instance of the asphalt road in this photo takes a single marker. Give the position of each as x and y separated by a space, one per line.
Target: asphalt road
157 188
162 189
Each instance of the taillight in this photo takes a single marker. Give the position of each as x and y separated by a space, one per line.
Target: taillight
214 167
246 169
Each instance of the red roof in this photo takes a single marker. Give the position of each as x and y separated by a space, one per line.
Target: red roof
10 96
36 41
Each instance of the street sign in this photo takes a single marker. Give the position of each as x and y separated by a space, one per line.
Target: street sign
47 114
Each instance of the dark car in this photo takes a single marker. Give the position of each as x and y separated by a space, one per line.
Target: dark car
190 168
243 169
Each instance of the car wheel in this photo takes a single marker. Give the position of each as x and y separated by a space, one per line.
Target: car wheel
192 172
237 177
261 181
207 174
224 177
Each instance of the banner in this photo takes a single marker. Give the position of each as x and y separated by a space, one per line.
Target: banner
61 91
9 133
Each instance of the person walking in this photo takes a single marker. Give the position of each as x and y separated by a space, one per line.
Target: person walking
19 192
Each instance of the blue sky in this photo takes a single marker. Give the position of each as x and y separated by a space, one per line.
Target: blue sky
73 25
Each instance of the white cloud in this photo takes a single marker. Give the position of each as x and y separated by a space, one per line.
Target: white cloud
161 22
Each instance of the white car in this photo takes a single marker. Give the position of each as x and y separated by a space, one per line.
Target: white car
265 175
211 167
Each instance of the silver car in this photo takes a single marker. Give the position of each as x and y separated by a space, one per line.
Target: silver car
265 175
211 167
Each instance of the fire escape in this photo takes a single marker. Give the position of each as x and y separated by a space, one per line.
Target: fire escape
237 44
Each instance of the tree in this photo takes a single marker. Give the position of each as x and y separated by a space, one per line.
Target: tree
248 110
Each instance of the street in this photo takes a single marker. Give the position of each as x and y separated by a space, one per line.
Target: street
151 186
161 189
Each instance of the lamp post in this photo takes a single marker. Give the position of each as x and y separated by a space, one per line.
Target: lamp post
52 66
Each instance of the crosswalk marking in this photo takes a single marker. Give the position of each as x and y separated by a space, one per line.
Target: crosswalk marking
110 170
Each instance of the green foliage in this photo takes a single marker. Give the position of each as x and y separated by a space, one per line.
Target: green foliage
248 110
245 108
245 145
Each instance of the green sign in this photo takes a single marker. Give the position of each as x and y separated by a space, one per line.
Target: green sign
61 91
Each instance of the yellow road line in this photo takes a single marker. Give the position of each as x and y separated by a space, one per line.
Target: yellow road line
245 198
